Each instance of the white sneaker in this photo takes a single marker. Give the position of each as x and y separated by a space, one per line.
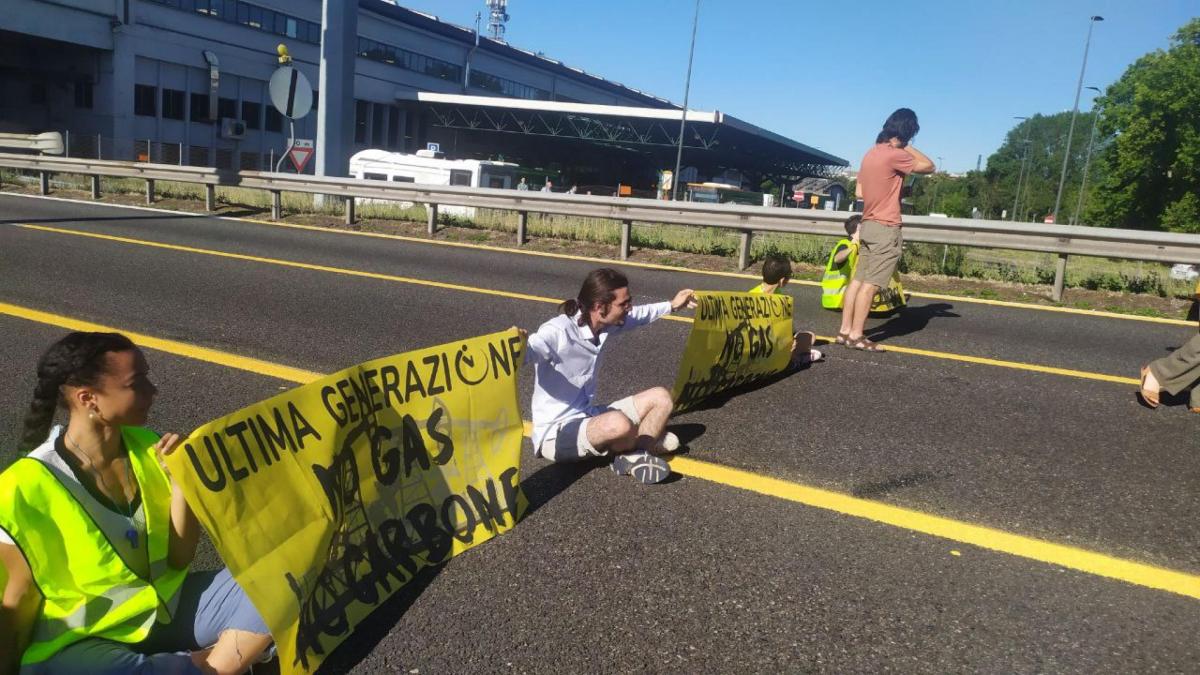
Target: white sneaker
644 467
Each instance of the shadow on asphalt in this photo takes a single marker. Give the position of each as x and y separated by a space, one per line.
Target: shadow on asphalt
545 484
158 216
717 401
911 320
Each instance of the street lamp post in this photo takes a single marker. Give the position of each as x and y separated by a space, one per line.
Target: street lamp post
687 88
1075 111
1087 161
1021 172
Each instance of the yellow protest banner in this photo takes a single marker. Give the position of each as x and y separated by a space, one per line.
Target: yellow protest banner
736 338
327 499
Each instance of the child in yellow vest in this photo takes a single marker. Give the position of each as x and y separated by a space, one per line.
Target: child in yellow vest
843 260
776 272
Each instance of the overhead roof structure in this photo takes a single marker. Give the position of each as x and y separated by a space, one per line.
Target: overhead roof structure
723 139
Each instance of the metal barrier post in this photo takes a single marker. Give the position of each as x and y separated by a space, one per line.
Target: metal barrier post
149 190
276 204
210 196
1060 277
96 187
744 250
626 235
349 210
44 182
66 143
522 225
431 218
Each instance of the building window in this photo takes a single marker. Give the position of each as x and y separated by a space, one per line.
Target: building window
393 132
252 16
83 94
375 176
199 110
274 121
251 112
458 177
506 87
403 179
402 58
361 109
377 120
144 100
226 107
172 104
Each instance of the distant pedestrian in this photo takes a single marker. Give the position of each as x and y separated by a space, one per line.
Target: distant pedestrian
1174 373
548 187
574 189
523 186
880 180
565 352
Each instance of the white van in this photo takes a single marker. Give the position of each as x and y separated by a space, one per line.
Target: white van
428 168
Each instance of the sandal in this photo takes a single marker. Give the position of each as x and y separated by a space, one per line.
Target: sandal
864 345
1145 396
842 339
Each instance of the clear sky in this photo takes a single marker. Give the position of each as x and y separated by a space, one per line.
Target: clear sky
828 73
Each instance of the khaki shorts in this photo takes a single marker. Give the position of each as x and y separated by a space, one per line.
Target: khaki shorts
879 253
567 441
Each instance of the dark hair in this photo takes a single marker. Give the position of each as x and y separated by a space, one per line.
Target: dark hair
901 124
600 286
775 268
76 360
852 224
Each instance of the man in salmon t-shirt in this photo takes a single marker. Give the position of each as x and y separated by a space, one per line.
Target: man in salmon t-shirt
879 181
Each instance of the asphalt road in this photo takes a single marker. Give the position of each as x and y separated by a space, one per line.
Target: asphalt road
606 575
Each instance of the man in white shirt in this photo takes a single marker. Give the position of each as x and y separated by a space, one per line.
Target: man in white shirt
565 352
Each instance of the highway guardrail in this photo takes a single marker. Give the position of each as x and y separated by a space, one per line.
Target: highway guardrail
1062 240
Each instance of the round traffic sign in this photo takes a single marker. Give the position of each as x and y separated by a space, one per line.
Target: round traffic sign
291 94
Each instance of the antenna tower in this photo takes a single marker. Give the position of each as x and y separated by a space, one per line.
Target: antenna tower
499 17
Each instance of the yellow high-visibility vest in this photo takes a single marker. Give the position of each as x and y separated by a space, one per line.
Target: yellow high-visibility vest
89 591
835 280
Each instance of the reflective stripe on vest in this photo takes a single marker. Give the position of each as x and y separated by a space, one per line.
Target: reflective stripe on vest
88 589
835 280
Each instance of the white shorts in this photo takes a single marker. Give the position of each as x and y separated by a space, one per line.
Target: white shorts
567 441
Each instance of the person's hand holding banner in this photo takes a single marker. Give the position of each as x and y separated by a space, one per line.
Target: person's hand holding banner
327 499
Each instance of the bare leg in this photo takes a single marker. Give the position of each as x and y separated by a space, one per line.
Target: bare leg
234 653
654 408
862 307
612 432
848 296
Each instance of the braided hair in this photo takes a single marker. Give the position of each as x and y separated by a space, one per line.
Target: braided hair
76 360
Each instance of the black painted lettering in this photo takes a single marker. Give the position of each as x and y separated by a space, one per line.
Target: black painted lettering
215 483
391 386
301 426
440 438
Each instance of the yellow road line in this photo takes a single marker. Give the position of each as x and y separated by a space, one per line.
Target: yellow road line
167 346
1070 557
630 263
948 356
1082 560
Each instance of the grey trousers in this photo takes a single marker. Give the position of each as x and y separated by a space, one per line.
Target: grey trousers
1179 370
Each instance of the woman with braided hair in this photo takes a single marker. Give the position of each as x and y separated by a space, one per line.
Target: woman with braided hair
96 539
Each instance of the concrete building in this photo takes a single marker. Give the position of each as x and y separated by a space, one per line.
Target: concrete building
132 79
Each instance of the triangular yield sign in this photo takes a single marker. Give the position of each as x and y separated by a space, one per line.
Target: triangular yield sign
300 157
